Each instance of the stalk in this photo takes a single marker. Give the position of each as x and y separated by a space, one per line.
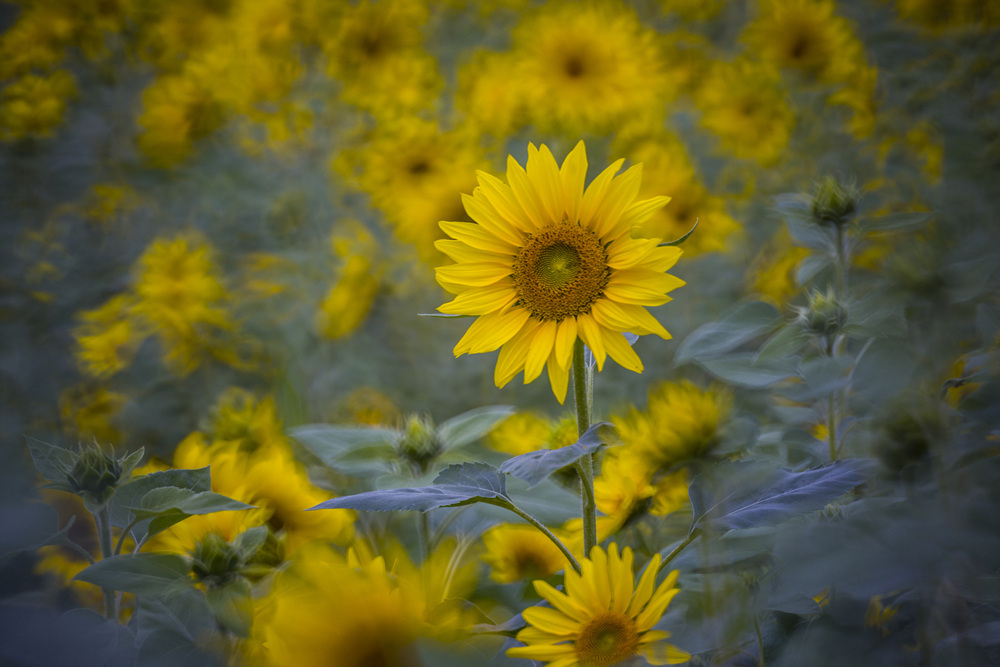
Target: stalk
583 392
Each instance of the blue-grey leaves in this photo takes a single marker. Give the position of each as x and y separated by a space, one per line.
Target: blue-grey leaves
534 467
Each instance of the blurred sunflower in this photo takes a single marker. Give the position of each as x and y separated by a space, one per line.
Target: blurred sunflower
681 422
519 552
806 35
524 432
772 273
348 302
603 618
547 262
34 104
585 66
108 337
743 103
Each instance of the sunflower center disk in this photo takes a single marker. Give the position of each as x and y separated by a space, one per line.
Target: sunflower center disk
560 272
607 639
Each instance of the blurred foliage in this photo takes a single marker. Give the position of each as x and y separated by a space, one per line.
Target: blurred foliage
218 231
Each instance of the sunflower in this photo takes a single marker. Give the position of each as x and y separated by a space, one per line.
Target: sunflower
546 262
603 617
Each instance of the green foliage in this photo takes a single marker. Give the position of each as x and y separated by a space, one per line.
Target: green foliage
534 467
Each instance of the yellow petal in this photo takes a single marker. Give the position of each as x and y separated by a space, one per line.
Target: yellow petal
626 317
510 362
595 192
480 208
609 220
543 172
644 589
491 331
558 378
501 199
641 211
477 236
663 654
463 252
561 601
552 621
475 274
565 339
525 194
545 652
590 332
625 252
573 174
541 347
620 350
481 300
636 295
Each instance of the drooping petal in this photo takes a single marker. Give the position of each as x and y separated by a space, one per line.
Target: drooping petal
564 603
565 339
661 653
558 378
510 361
620 350
541 348
590 332
552 621
492 330
463 252
641 211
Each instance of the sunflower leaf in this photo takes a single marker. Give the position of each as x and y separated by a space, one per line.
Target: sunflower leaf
143 574
534 467
761 497
740 326
466 428
460 484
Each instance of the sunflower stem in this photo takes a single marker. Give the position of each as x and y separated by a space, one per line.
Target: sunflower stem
548 533
680 547
583 392
103 522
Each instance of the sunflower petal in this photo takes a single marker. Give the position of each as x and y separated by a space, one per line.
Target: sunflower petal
543 172
478 236
573 174
620 350
565 338
475 274
590 332
524 193
481 209
541 347
609 220
558 378
490 331
594 194
481 300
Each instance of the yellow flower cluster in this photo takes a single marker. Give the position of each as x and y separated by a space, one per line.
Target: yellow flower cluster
347 303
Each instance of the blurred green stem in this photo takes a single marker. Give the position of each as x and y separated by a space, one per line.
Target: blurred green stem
583 391
104 533
831 424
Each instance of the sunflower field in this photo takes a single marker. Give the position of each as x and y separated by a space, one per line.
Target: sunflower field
400 333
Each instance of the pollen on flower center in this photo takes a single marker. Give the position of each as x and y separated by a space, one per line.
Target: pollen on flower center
607 639
560 271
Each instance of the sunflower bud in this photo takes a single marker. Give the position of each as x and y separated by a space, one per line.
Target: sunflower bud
419 442
833 202
215 561
825 315
95 474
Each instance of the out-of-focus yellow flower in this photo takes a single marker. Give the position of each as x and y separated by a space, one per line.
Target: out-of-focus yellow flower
624 486
180 294
367 405
808 36
586 67
744 104
937 15
34 104
240 421
37 41
605 616
667 168
524 432
271 479
89 412
488 95
772 273
177 111
519 552
416 174
325 611
860 95
879 615
349 301
108 337
108 202
681 422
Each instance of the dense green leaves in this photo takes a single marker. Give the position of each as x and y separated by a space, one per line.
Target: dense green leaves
740 326
460 484
536 466
149 574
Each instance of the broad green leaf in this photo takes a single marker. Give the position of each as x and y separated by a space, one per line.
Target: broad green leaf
466 428
810 267
166 498
782 495
968 279
184 612
461 484
54 463
534 467
739 369
715 339
232 605
797 215
131 461
143 574
896 222
335 446
787 341
130 494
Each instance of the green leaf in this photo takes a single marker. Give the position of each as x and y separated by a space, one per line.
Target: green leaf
460 484
143 574
348 449
682 239
795 211
967 279
183 612
130 494
250 541
740 369
896 222
131 461
715 339
232 606
787 341
771 496
166 498
54 463
536 466
810 267
466 428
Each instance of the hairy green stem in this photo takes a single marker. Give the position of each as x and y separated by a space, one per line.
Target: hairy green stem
548 533
680 547
104 533
583 392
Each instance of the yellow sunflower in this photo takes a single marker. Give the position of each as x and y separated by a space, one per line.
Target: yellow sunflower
603 617
547 262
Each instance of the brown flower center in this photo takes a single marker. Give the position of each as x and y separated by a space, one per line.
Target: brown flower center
560 271
607 639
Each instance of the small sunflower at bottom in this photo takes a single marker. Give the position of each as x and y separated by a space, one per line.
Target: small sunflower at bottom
603 618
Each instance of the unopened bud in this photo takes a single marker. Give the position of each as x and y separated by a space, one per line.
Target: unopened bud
825 315
95 474
215 560
833 202
419 442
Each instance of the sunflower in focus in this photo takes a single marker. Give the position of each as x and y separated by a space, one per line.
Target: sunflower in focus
547 262
603 618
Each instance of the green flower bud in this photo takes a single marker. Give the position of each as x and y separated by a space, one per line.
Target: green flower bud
833 202
419 442
95 474
270 555
215 561
825 315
